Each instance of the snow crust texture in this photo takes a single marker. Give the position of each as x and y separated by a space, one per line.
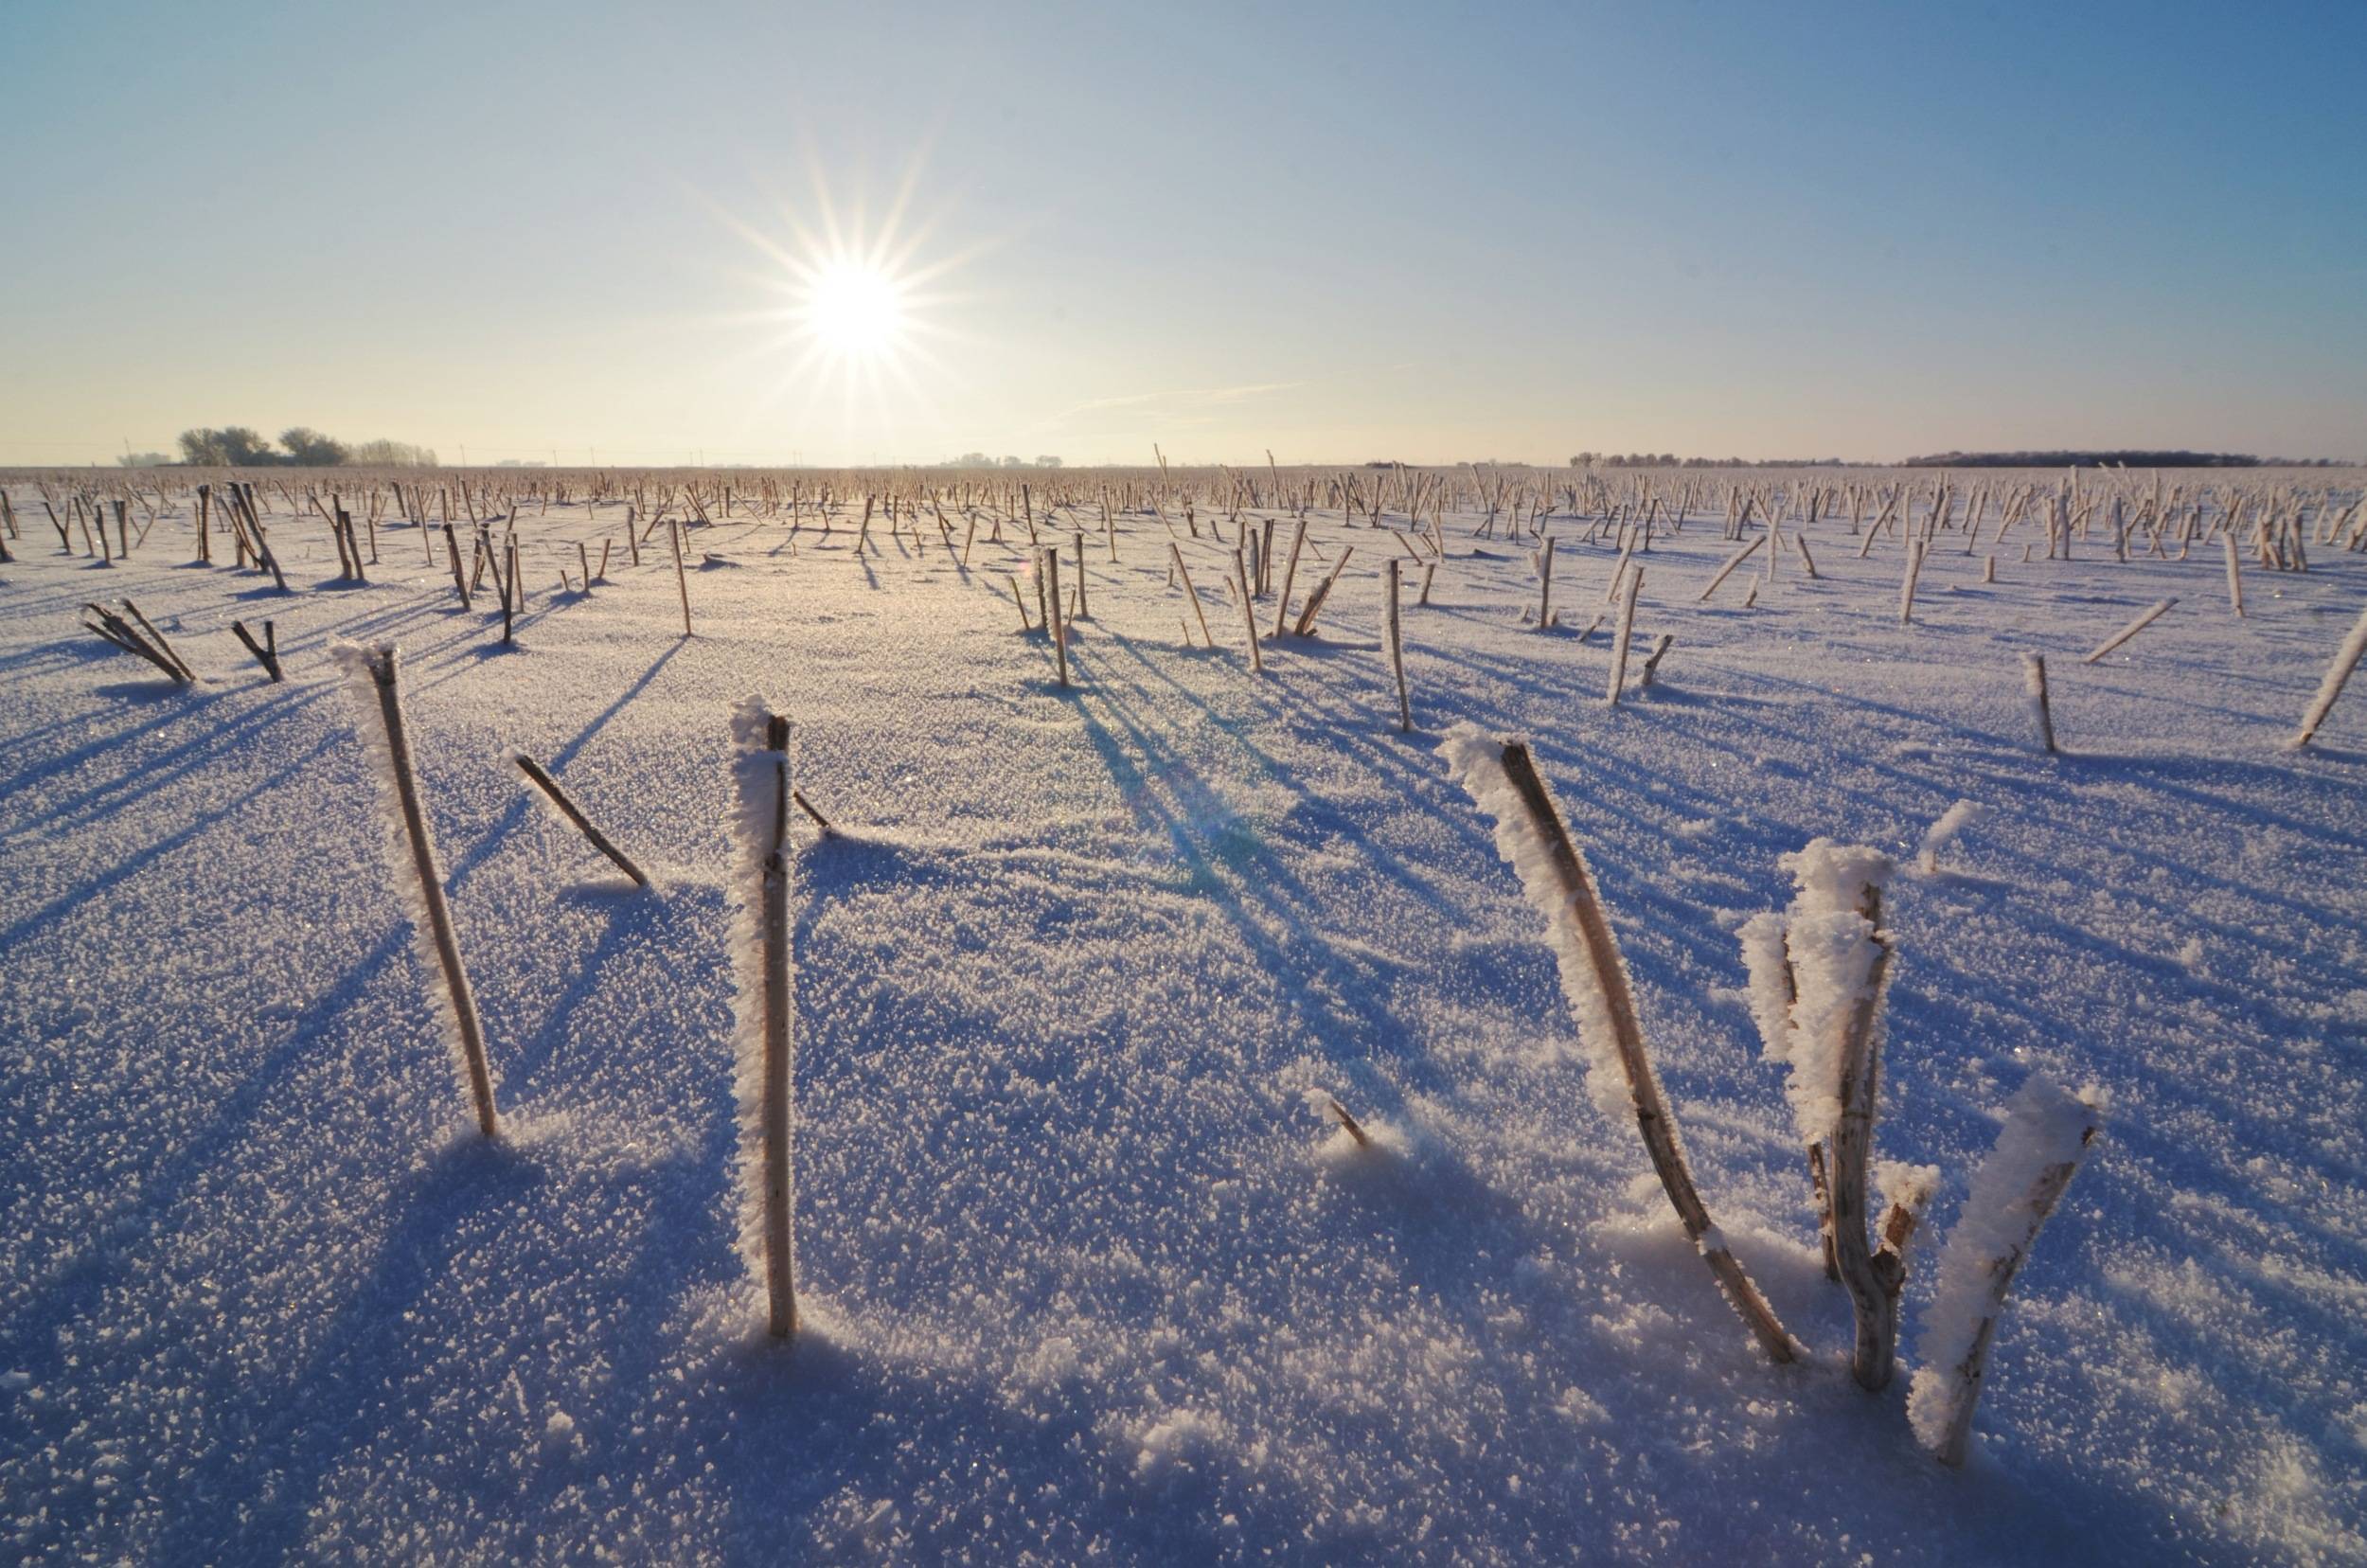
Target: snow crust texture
1082 1276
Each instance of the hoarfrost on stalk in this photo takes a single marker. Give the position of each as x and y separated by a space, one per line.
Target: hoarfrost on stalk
1475 759
357 663
759 779
2046 1133
1943 832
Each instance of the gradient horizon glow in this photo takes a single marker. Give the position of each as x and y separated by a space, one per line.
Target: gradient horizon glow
772 234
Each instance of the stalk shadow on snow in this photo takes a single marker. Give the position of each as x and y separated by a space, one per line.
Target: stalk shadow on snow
1337 997
127 1225
633 921
251 1500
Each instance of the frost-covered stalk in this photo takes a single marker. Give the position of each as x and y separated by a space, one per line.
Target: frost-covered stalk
1289 573
1553 875
1058 624
2235 575
681 583
1816 974
1249 617
370 672
1943 833
2048 1131
1620 638
1726 570
1397 647
1544 585
1305 623
574 814
2033 687
1872 1299
761 953
2345 660
1907 1191
451 549
2144 620
1651 662
1906 585
1191 593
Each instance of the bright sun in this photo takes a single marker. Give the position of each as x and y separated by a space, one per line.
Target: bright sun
853 308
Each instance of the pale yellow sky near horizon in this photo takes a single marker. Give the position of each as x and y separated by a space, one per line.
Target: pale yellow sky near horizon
1334 234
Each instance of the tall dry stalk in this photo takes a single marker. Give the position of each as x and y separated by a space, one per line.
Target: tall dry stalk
372 673
1623 636
2338 675
1396 649
768 1232
1531 835
681 583
2144 619
2048 1133
2041 708
574 814
1249 613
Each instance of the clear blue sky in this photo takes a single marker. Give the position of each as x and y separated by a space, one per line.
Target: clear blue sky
1343 232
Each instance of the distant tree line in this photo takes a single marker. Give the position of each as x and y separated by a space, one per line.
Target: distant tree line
980 459
1669 459
2090 459
238 446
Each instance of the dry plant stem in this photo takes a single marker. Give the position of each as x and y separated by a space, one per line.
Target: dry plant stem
1823 1188
2039 1204
2235 577
1875 1306
1290 571
1651 665
1323 591
2147 618
1727 570
381 663
128 637
1058 626
574 814
1397 650
158 638
514 591
682 584
780 1288
1545 584
819 820
1340 1113
1249 616
459 579
1622 637
2033 682
266 653
1193 594
1907 585
2337 674
1652 1117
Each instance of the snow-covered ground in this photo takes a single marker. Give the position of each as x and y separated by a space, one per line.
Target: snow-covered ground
1085 1272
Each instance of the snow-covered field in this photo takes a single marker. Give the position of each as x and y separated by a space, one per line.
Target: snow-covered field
1086 1275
